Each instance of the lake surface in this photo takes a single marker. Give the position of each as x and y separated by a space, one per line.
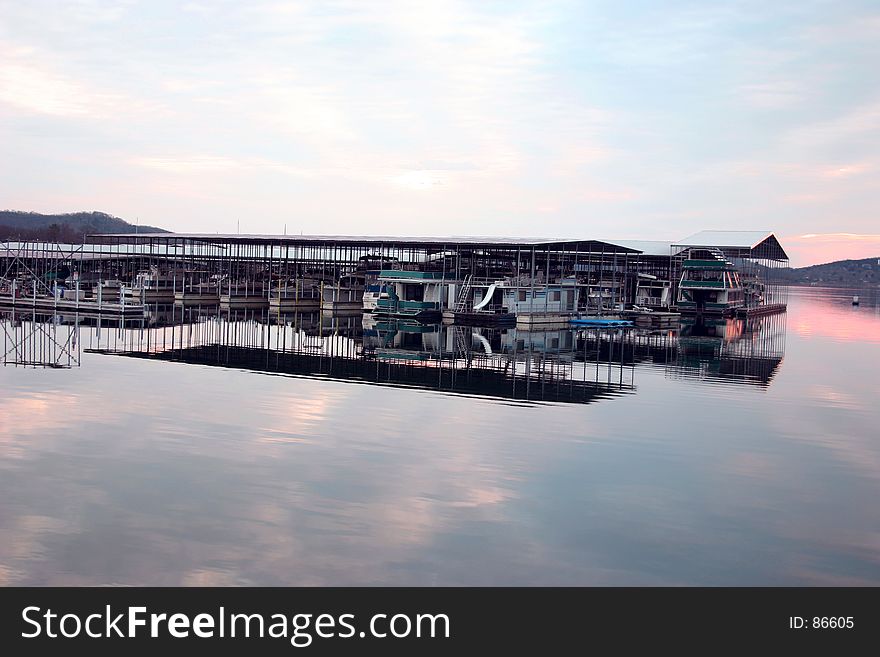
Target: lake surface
191 449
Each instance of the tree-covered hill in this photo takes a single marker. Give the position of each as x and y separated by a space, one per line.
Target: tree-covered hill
69 227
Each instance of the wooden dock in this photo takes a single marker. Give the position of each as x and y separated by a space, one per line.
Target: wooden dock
543 321
761 311
481 319
285 304
242 302
196 299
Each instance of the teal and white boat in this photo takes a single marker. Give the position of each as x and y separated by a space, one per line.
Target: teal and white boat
418 295
709 284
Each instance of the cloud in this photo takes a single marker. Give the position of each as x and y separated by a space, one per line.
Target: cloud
778 94
839 237
31 84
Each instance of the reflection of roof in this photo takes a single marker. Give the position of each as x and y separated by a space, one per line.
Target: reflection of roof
396 372
762 242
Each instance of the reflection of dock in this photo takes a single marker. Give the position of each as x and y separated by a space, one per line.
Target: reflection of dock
29 341
408 372
575 365
734 350
67 306
547 366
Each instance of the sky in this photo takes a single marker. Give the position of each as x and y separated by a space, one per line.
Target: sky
623 119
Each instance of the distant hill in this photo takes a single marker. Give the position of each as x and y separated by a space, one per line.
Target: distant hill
68 227
842 273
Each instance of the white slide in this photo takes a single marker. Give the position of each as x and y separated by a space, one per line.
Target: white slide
482 340
486 299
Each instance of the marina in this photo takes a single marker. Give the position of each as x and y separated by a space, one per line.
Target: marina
531 284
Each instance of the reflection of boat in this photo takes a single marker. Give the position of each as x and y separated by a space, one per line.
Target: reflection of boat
408 340
599 322
742 350
709 284
727 329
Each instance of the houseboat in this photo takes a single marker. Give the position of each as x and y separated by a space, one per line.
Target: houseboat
372 293
652 292
420 295
709 284
530 305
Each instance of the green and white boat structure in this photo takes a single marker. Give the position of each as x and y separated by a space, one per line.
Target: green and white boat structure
420 295
372 293
403 339
709 284
372 266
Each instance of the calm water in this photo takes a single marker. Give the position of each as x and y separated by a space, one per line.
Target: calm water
234 451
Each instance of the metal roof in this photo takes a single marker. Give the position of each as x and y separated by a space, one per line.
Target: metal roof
735 239
584 245
648 247
763 243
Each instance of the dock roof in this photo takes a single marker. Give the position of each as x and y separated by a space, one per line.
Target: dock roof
762 243
583 245
648 247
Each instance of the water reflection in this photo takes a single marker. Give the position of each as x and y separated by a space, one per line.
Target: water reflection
835 316
39 341
737 350
192 448
564 365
